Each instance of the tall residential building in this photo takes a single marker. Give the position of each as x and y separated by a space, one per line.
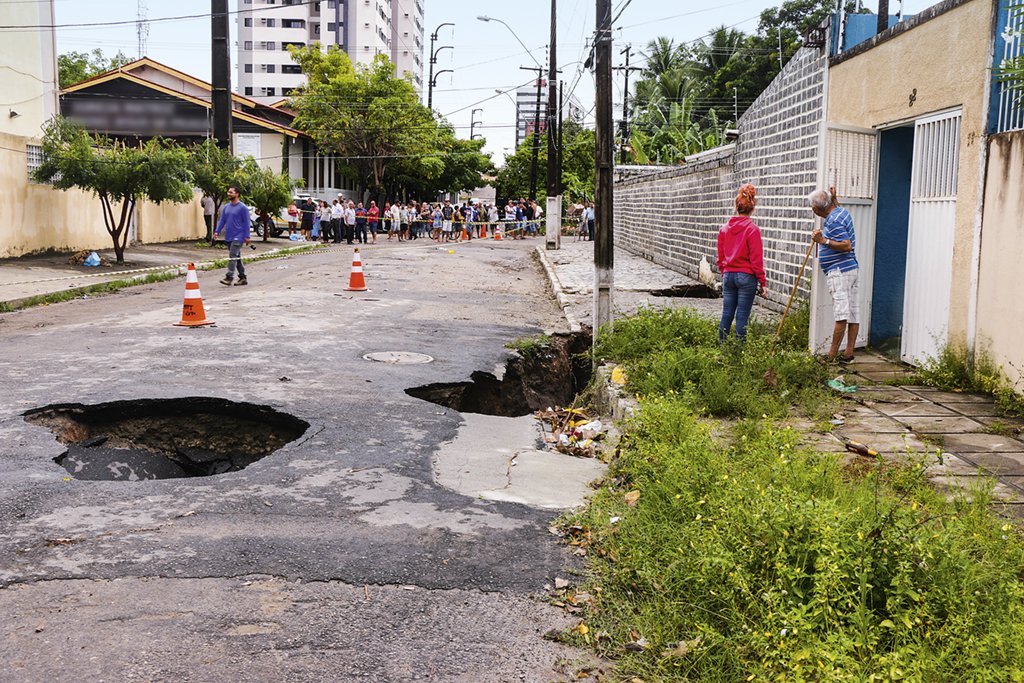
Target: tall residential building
29 79
526 109
362 28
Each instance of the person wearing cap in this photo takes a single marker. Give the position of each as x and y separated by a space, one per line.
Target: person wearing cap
838 259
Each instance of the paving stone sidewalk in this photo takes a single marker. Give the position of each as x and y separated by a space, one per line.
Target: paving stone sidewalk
961 435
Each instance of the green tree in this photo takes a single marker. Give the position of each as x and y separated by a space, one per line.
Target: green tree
118 174
213 169
75 67
264 191
461 164
364 114
513 179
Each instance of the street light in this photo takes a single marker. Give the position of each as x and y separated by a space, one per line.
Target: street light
431 79
484 17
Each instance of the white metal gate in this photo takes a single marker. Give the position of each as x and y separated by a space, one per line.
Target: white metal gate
851 165
933 188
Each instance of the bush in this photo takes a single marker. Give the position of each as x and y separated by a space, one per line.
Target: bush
676 351
957 369
759 561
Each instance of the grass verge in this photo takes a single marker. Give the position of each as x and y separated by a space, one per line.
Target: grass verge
719 550
112 286
957 369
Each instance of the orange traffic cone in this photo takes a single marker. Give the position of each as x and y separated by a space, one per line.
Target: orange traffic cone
497 233
193 314
464 236
483 231
356 281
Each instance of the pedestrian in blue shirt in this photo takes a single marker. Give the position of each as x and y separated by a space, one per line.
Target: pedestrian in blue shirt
839 263
235 224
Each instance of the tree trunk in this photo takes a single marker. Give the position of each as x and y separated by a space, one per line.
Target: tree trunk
113 229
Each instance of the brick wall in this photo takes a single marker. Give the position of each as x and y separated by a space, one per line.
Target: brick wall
672 217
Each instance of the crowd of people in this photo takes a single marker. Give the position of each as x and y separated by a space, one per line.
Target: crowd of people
352 222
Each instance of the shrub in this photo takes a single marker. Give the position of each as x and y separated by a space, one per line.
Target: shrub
759 561
957 369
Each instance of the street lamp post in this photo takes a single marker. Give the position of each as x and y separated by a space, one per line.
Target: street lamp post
484 17
431 79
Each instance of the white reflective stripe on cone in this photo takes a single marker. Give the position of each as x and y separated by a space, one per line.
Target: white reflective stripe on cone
193 294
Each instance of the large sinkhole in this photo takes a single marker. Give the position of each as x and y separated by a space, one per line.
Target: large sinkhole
542 375
164 438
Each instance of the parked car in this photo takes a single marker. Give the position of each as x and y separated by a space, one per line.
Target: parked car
276 225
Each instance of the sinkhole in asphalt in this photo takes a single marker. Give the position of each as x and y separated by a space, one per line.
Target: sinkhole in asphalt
164 438
547 375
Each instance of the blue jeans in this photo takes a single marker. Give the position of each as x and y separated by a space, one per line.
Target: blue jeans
738 290
235 260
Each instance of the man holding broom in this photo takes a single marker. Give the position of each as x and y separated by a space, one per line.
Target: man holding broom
839 263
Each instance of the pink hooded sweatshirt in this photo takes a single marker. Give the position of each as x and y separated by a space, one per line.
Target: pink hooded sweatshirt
740 249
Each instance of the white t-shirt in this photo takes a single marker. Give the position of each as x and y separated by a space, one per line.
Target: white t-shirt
350 216
337 211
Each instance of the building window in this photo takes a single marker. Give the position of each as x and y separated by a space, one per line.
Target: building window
293 23
248 91
33 157
291 69
287 92
270 68
247 45
268 92
247 68
285 46
247 22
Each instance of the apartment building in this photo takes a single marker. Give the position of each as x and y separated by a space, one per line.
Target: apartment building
526 109
362 28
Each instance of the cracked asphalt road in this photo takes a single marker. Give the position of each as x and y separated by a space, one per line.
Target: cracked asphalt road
337 558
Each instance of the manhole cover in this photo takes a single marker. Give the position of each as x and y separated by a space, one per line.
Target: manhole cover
398 357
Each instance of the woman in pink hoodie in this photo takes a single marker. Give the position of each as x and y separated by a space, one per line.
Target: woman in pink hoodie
741 263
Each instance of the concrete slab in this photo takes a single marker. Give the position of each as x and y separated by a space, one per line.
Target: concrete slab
982 443
973 409
941 425
950 396
882 375
925 409
551 481
888 394
888 444
1003 422
875 423
966 486
953 465
1011 464
498 458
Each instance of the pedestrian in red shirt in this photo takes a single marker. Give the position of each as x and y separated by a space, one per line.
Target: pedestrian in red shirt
372 219
741 263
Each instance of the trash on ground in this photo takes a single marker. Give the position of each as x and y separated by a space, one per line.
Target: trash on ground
839 385
87 258
572 431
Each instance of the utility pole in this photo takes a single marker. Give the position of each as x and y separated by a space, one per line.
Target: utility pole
221 74
883 16
553 233
472 122
604 255
625 102
431 79
535 159
735 106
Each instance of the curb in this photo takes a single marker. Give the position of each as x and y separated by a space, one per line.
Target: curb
556 287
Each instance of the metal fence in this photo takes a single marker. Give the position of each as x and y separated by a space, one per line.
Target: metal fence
1008 96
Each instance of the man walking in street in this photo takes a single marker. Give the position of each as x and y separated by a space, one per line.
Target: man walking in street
373 219
839 263
234 223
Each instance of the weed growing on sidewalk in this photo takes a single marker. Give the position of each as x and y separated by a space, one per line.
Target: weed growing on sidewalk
676 351
957 369
755 560
529 346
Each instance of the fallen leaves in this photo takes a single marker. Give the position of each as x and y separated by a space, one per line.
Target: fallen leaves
572 431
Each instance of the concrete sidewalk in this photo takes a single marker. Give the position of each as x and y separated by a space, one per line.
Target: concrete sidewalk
30 276
962 436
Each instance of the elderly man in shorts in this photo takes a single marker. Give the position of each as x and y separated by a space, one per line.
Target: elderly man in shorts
839 262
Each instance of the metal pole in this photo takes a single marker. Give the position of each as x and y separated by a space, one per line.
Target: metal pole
625 108
561 125
430 77
536 131
472 122
221 74
604 257
554 204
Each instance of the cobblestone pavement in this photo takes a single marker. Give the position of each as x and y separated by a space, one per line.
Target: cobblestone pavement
635 280
962 435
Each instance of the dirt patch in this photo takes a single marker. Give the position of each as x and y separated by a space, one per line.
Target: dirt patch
164 438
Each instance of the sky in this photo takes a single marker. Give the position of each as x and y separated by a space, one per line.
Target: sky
486 56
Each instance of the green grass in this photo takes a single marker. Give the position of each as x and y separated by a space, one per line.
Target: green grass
957 369
720 550
529 346
117 285
676 351
772 563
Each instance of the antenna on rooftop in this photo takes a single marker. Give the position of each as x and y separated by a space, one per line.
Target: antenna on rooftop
142 28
